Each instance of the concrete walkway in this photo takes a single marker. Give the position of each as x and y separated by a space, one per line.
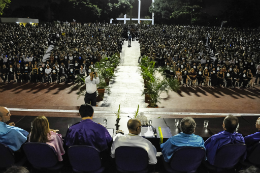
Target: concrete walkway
127 86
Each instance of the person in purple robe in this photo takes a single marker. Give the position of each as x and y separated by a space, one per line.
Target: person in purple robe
87 132
253 139
228 136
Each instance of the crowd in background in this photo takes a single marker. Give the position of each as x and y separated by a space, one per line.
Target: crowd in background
76 48
197 54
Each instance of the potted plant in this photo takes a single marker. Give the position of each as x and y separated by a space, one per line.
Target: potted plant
157 86
108 73
101 89
115 60
105 70
117 118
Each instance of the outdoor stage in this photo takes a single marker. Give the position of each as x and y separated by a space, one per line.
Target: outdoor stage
60 102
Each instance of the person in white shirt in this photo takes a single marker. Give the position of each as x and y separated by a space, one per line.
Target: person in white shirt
47 73
91 87
133 139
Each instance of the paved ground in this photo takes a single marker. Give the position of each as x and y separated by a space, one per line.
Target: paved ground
127 86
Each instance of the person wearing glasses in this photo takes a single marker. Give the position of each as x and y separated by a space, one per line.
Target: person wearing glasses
11 136
133 139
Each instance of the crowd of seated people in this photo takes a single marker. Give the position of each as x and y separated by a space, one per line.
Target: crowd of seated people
87 132
224 57
195 55
20 46
76 49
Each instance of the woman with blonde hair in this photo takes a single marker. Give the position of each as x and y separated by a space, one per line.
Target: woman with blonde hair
42 133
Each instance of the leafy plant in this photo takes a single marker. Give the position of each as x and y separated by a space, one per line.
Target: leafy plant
118 112
105 69
137 111
4 4
173 84
154 90
147 68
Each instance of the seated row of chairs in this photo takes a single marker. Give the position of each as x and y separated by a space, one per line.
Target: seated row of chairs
130 159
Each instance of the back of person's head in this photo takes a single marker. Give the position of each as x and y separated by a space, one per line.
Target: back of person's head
132 124
251 169
188 125
86 110
17 169
40 130
231 123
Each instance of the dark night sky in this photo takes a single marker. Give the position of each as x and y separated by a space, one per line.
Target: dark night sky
212 7
35 3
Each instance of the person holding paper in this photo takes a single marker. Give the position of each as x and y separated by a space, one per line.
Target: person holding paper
183 139
133 139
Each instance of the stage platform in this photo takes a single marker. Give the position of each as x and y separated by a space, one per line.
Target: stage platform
60 100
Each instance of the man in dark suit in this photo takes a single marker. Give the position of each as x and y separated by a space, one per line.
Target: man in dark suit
129 39
18 73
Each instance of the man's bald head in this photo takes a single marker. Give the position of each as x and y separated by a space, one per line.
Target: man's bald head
132 124
2 111
4 114
231 123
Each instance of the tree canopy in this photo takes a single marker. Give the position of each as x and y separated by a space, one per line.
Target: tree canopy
100 9
177 9
4 4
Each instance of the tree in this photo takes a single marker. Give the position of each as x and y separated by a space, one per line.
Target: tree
100 9
4 4
177 9
192 11
117 7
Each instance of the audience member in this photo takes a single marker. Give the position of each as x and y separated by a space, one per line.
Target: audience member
171 46
228 136
17 169
186 47
185 138
252 139
91 88
134 140
10 135
251 169
87 132
42 133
